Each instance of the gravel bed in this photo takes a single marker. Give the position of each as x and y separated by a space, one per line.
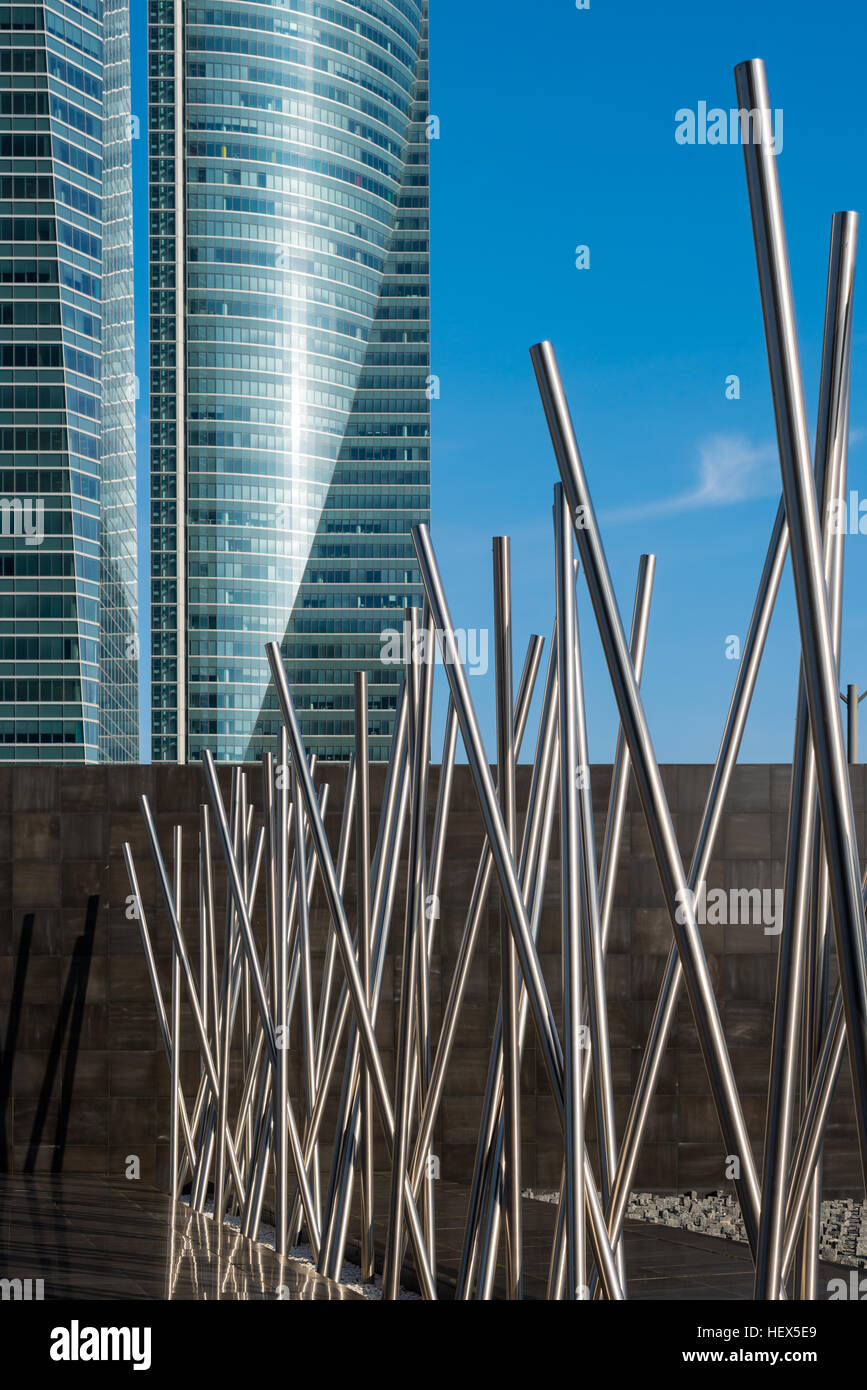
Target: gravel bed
844 1221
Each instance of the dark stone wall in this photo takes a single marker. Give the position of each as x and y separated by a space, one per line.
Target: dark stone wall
84 1080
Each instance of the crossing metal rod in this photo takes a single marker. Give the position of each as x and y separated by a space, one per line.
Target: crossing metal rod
483 1208
362 897
389 840
649 781
241 908
159 1006
838 820
419 678
466 950
833 423
595 1002
343 849
187 973
481 1236
348 1126
385 864
797 894
730 742
815 1117
306 982
478 897
174 1138
509 974
502 856
540 1007
281 1017
571 875
612 839
344 937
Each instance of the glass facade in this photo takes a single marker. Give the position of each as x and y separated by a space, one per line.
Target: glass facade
289 361
68 657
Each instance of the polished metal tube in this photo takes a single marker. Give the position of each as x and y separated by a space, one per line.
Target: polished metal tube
852 722
350 965
572 868
419 680
508 956
502 856
186 970
306 983
802 804
838 820
612 839
281 1017
153 975
174 1144
598 1060
249 945
362 895
649 782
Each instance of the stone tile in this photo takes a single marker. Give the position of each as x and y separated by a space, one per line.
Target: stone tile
35 883
85 788
35 788
35 836
747 835
750 788
84 835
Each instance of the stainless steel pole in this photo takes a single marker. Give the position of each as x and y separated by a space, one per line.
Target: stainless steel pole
571 870
508 957
838 820
649 781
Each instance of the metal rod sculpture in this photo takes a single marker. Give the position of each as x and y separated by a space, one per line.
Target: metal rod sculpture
247 1133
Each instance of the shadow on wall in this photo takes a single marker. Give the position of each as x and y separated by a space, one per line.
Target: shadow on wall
68 1028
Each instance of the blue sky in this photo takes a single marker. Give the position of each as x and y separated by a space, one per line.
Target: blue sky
557 130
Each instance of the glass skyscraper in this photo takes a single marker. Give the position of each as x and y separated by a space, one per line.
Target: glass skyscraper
290 367
68 603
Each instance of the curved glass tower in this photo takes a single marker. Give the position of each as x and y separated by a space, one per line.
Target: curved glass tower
68 609
289 361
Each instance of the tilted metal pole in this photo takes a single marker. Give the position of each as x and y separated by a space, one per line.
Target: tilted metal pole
508 959
852 722
571 872
802 805
838 820
649 781
362 897
344 938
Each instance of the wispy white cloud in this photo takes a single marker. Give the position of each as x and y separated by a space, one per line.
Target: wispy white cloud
730 469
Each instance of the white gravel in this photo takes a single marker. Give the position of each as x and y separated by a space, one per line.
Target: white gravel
843 1238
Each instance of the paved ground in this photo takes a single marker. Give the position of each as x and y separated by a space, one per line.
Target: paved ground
92 1239
661 1262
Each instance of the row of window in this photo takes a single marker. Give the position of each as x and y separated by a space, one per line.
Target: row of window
48 648
301 124
248 74
214 253
45 732
35 692
277 24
